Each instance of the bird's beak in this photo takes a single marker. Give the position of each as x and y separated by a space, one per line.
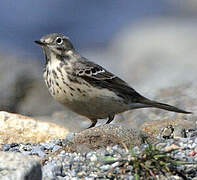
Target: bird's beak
40 43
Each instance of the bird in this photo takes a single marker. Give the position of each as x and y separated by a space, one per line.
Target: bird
87 88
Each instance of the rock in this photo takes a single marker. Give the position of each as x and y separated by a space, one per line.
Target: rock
183 96
15 128
15 166
103 136
154 128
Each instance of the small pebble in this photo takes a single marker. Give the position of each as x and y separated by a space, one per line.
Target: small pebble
105 167
93 158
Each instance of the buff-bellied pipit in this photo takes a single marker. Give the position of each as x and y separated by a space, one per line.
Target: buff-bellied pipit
85 87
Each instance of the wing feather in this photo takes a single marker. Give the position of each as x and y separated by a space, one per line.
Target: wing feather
101 78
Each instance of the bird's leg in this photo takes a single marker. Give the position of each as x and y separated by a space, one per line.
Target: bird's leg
94 121
111 117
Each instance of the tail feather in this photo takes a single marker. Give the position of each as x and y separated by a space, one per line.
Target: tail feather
163 106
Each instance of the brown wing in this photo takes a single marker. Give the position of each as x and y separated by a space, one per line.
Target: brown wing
101 78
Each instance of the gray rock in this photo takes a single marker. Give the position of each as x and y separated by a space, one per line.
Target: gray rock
15 166
38 150
51 170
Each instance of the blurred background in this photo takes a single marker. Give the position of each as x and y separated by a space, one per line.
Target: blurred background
150 44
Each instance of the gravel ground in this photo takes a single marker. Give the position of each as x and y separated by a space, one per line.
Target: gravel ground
106 163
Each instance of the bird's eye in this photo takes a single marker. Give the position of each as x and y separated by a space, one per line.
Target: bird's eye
59 40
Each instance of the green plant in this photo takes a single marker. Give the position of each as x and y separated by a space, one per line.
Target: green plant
149 163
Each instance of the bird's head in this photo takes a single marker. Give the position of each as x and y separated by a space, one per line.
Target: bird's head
55 43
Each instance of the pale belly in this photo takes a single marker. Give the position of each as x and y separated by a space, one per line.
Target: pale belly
91 102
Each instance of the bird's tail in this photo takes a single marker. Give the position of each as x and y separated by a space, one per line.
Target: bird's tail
167 107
